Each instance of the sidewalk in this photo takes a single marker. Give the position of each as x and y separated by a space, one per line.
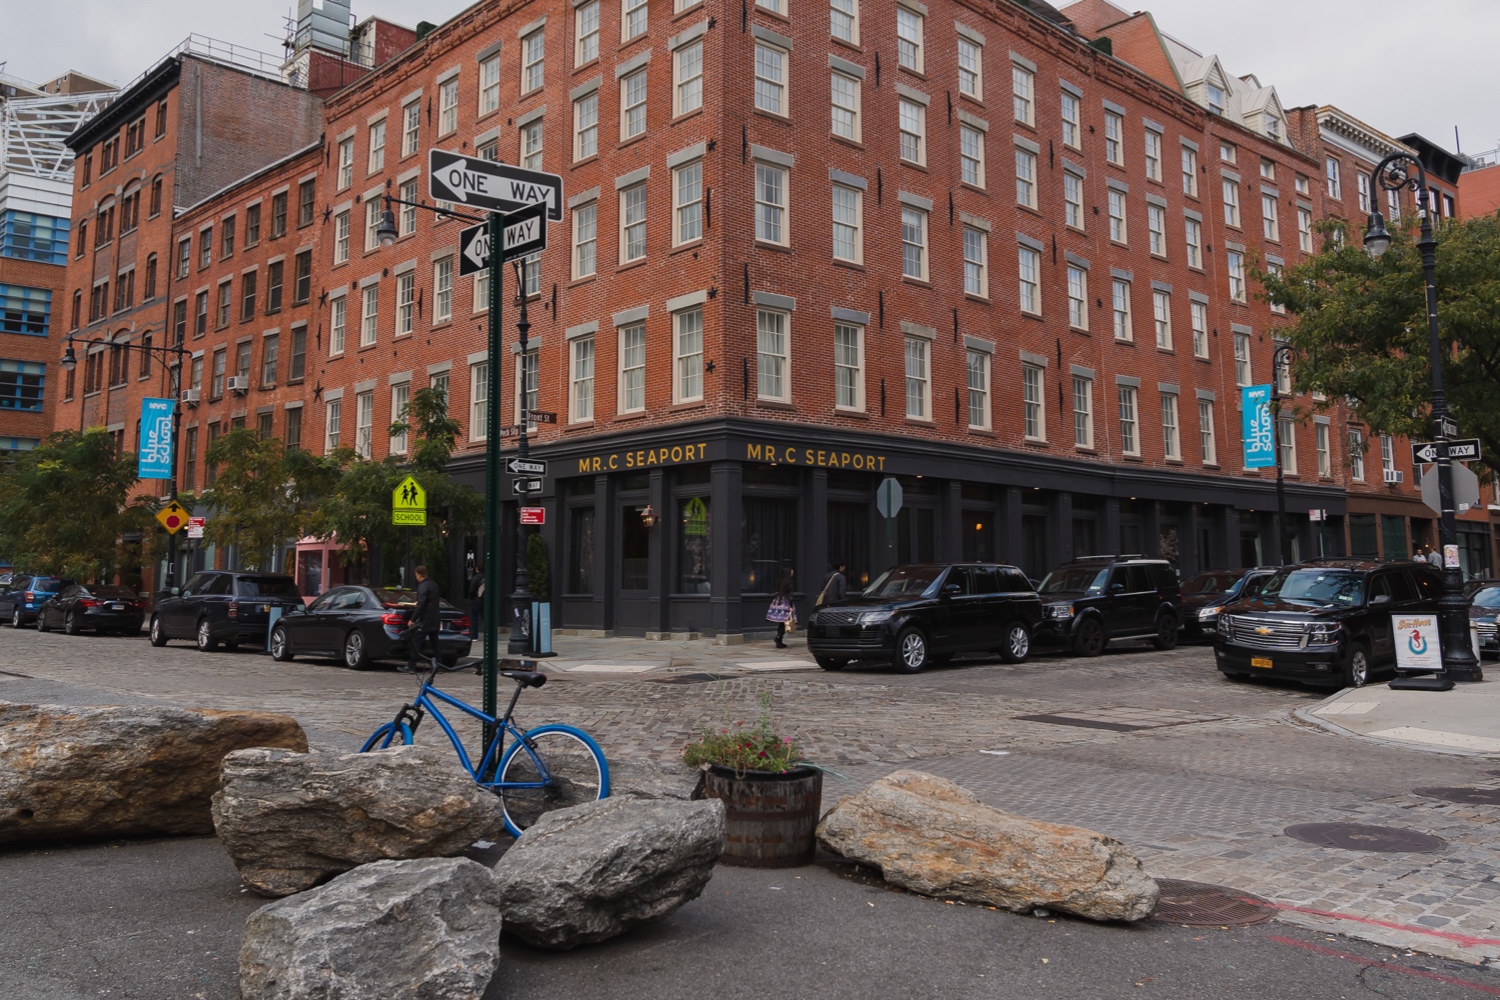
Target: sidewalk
1465 720
582 655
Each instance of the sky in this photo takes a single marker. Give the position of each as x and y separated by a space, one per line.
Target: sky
1372 58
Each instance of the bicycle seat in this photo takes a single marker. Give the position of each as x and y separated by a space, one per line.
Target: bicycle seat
529 678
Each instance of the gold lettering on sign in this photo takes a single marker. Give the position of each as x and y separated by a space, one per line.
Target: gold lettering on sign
644 458
816 457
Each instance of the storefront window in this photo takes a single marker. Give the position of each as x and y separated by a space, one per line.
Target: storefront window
1393 532
581 550
849 541
635 550
694 545
979 536
769 544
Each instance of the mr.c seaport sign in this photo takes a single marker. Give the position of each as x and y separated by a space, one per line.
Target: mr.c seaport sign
776 454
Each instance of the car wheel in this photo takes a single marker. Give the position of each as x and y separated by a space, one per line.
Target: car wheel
281 648
158 632
1089 640
912 653
356 656
206 641
70 624
1017 643
1357 666
41 621
831 662
1166 632
17 619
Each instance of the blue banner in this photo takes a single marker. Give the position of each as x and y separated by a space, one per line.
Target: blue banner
154 457
1259 438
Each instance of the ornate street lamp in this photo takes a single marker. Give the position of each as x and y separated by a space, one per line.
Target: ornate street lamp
1279 362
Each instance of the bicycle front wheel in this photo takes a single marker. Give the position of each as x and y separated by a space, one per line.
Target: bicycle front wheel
387 734
563 766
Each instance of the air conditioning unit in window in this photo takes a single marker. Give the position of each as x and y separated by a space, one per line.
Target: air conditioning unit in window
1394 476
190 397
238 383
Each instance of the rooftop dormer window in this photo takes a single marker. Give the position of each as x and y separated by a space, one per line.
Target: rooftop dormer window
1215 97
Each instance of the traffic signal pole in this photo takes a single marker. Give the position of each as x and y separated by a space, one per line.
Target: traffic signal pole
492 485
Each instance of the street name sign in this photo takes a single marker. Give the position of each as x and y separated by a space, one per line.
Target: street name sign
498 187
1427 452
527 467
524 232
409 504
541 417
173 517
533 515
523 486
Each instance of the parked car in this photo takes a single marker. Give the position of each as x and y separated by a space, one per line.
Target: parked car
223 606
912 616
1325 622
1093 600
1484 610
1205 596
103 608
362 624
1474 586
20 600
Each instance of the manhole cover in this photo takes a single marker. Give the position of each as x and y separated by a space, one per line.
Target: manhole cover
1468 796
1199 905
1356 837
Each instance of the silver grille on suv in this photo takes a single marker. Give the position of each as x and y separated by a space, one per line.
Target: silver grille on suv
1266 633
1486 631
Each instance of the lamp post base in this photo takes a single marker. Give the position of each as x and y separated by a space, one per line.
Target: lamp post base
1428 683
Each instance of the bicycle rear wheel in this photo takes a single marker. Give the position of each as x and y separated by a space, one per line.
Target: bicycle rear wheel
383 737
565 762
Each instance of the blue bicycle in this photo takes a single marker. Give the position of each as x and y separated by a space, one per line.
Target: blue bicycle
550 767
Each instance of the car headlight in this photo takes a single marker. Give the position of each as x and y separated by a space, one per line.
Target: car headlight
1060 611
875 617
1206 613
1322 633
1222 628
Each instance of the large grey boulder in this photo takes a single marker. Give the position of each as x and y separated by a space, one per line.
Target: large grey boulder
292 820
428 929
931 836
637 778
585 874
120 771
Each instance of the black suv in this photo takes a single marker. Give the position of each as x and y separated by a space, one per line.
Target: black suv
222 606
1325 622
1089 601
1207 594
916 615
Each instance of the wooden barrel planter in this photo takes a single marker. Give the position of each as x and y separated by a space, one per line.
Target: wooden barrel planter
770 816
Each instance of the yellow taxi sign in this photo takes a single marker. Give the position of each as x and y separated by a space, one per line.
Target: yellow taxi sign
409 504
173 517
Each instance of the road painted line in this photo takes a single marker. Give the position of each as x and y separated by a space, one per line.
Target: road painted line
1462 940
1437 737
1387 966
615 668
1347 708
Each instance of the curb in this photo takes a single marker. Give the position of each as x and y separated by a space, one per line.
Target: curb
1306 716
1483 952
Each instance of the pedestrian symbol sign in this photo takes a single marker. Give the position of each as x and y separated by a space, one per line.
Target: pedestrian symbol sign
173 517
409 504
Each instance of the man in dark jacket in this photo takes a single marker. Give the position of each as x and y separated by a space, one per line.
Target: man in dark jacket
836 587
426 620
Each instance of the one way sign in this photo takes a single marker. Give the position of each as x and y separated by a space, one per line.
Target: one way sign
524 232
1427 452
498 187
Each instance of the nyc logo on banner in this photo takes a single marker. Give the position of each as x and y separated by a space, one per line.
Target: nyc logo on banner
154 457
1259 436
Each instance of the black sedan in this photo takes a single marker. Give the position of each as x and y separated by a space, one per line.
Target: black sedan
103 608
1205 596
1484 611
362 624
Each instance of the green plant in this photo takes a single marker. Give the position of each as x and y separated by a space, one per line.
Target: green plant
758 748
538 575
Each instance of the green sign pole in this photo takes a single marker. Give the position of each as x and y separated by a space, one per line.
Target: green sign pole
492 486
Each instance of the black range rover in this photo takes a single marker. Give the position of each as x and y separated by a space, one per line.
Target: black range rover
912 616
1325 622
1094 599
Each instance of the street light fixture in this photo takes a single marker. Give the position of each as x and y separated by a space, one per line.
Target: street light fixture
386 232
1394 173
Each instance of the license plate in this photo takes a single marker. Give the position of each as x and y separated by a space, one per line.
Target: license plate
1260 661
117 607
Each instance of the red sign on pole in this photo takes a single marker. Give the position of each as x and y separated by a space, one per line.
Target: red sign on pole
533 515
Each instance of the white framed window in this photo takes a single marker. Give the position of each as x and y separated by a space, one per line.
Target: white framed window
849 366
1161 314
1325 457
1231 202
1171 438
770 204
1130 436
1083 412
586 127
1286 434
1356 455
442 290
971 155
331 420
976 262
1025 177
1156 229
687 360
439 384
1117 227
1073 199
772 345
369 319
1393 205
633 223
1114 138
848 224
913 129
585 239
1283 375
913 243
400 410
632 368
1023 90
970 68
581 380
687 204
1071 129
372 223
1335 186
909 25
408 192
479 401
411 127
1242 371
1193 232
1304 230
1276 307
918 378
770 79
1362 182
1033 409
586 33
1269 220
846 106
1267 169
531 145
687 70
482 291
488 150
1214 94
338 321
531 274
527 380
843 20
1228 152
346 163
489 85
1237 275
633 105
1189 171
1198 315
448 106
632 19
1078 294
534 60
1387 453
1030 267
377 147
364 424
979 390
406 303
1206 439
1304 185
1153 154
1120 291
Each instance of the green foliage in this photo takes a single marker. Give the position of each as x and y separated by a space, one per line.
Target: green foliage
538 571
759 748
263 495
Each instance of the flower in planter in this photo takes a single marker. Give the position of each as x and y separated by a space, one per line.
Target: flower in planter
758 748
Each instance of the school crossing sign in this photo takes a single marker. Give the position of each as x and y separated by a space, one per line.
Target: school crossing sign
409 504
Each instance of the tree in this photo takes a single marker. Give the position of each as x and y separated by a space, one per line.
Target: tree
66 506
1361 328
263 494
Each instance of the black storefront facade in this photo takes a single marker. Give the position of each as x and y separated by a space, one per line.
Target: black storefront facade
688 529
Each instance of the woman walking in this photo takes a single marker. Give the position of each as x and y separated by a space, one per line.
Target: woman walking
782 611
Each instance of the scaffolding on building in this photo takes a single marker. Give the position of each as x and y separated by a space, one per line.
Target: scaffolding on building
34 130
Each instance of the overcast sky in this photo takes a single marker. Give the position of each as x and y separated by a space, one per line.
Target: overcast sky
1373 58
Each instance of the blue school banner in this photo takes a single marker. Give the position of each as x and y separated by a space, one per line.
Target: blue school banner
1259 438
154 457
